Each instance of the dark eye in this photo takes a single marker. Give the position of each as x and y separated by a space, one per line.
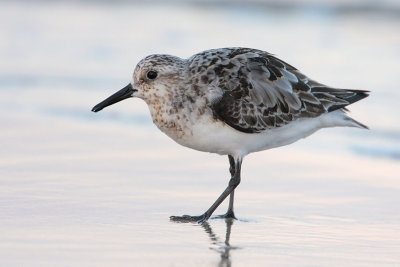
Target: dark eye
151 75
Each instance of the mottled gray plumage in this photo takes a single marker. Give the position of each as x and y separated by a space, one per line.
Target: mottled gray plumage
234 101
260 91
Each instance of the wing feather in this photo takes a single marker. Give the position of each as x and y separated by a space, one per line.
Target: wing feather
258 91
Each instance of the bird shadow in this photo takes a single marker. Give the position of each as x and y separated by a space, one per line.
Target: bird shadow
221 245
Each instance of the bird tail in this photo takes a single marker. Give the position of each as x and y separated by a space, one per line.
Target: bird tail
354 96
353 123
335 99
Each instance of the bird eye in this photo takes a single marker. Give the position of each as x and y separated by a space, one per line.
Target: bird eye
151 75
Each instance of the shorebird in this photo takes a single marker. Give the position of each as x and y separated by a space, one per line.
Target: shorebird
234 101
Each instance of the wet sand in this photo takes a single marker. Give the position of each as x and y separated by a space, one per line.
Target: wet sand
79 188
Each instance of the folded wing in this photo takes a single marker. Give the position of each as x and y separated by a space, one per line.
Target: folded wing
261 92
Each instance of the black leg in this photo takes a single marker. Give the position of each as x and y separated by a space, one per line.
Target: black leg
231 165
230 213
233 183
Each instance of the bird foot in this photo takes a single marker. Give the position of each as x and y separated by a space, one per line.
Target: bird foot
187 218
228 215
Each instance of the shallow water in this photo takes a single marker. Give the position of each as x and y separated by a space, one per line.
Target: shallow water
78 188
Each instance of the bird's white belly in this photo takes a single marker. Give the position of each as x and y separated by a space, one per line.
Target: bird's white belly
217 137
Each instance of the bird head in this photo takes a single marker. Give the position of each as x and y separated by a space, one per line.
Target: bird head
153 78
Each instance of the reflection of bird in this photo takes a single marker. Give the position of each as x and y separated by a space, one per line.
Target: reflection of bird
234 101
223 248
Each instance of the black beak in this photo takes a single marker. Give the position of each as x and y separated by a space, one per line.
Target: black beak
122 94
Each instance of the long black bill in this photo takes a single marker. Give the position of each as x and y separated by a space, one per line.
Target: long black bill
122 94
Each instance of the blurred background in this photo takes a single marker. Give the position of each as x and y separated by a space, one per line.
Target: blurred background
79 188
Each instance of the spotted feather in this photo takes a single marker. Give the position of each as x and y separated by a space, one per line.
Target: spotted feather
258 91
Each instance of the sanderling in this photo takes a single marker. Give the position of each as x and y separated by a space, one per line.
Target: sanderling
234 101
